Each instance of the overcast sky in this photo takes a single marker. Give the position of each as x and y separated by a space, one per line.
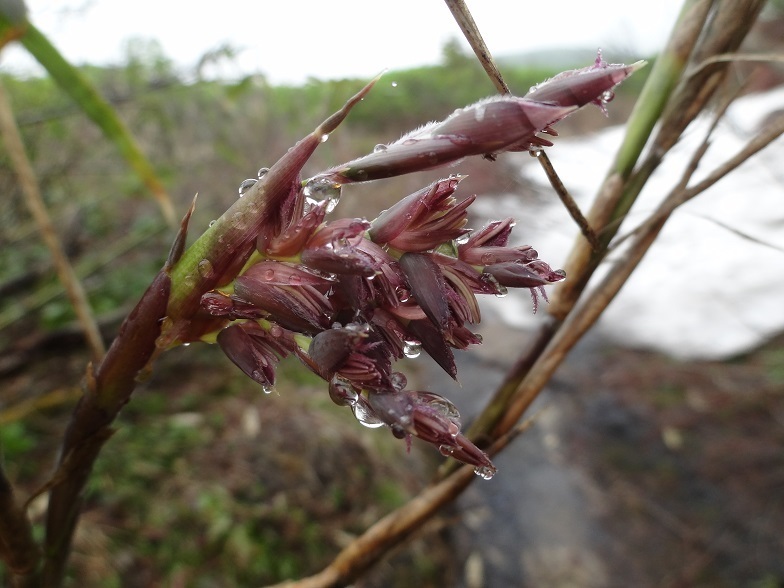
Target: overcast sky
291 40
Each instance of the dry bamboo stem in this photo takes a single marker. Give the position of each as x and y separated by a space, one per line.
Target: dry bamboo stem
37 207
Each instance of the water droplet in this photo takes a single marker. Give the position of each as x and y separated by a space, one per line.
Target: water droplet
365 415
380 148
295 280
485 472
212 223
500 291
268 389
269 274
186 344
607 96
479 113
446 450
398 380
394 84
246 185
402 294
262 172
534 151
320 189
204 267
398 431
463 239
412 349
459 139
488 258
276 331
443 406
341 392
324 138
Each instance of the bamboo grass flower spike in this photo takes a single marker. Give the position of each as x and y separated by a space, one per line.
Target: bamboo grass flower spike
350 297
491 126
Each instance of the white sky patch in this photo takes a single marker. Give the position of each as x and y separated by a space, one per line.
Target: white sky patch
291 41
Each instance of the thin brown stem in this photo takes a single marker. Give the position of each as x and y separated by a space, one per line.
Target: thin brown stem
567 200
37 207
465 21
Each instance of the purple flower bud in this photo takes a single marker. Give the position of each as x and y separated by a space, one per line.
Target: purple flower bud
492 125
430 417
493 255
578 87
219 304
423 220
354 352
434 343
494 234
428 286
524 275
334 249
293 238
392 332
292 296
255 350
330 349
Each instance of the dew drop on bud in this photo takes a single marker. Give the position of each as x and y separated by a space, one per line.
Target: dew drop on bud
364 415
412 349
246 185
204 267
463 239
212 223
269 274
394 84
324 138
442 406
607 96
500 290
534 151
268 389
485 472
402 294
380 148
320 189
295 280
262 172
186 344
446 450
398 380
341 392
398 431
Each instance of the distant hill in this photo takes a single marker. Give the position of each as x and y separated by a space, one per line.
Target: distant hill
559 59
